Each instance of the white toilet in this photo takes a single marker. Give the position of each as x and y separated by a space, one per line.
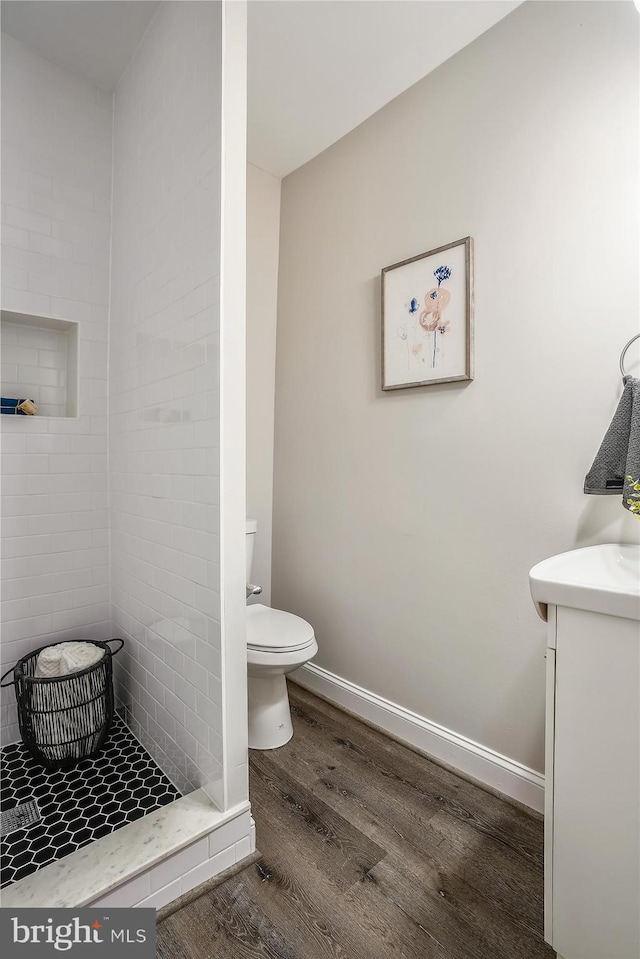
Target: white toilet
277 643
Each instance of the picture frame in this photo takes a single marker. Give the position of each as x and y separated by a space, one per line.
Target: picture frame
427 318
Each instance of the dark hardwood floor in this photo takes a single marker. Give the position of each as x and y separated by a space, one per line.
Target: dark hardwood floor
369 851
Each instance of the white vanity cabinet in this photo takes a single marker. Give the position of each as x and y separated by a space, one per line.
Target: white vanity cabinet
590 599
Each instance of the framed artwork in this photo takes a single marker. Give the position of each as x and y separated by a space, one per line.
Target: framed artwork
427 318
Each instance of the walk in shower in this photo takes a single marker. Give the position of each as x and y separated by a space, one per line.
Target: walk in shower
115 517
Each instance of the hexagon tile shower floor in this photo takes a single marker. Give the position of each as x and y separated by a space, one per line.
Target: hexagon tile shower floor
79 805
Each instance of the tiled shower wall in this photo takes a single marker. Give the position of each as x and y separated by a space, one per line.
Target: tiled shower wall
56 188
164 389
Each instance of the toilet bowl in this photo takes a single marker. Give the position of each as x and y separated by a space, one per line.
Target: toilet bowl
277 643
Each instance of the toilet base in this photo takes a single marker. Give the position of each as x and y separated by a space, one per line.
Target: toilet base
269 713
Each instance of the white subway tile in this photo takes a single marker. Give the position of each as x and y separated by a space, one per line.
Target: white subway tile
21 302
33 606
51 284
39 185
73 195
166 721
51 410
50 562
70 463
14 568
72 579
25 463
71 232
38 375
243 848
175 707
13 526
29 627
45 443
207 870
50 207
54 360
52 394
229 834
27 586
15 237
50 246
38 339
14 278
91 596
15 195
125 895
18 504
9 335
25 220
71 502
11 443
162 897
20 355
180 863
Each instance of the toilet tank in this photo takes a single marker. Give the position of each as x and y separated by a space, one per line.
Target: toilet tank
252 529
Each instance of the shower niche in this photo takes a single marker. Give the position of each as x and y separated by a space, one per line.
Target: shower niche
40 363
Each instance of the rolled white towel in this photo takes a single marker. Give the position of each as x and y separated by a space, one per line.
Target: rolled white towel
48 662
78 656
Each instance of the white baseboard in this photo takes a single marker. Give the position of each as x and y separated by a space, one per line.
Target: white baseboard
471 758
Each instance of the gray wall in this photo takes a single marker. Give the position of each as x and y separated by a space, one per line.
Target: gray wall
405 523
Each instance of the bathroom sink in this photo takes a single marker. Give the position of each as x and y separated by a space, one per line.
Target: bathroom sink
601 579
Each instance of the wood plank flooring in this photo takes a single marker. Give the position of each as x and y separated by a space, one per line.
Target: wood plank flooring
369 851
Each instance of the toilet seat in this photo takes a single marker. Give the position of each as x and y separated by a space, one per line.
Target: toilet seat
273 631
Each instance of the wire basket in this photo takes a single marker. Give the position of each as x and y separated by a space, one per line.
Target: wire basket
64 719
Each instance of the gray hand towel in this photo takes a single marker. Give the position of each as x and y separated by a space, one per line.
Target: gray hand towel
616 468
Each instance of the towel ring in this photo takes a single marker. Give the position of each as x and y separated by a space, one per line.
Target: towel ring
632 340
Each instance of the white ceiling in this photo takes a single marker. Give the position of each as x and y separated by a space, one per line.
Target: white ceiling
317 68
94 38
